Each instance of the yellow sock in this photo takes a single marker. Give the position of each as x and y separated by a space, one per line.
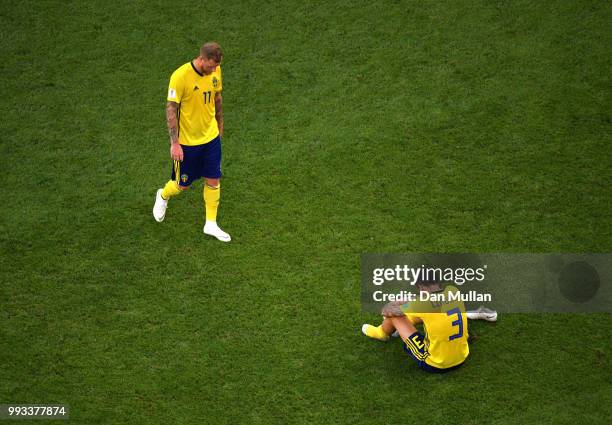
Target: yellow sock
170 189
376 332
211 201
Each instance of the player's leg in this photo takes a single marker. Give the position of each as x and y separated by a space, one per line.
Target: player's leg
211 170
381 332
179 181
482 313
404 327
212 195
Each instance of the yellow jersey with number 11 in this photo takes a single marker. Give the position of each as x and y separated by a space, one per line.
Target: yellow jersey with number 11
195 94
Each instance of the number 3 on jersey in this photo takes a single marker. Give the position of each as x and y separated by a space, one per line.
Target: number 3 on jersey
207 96
458 323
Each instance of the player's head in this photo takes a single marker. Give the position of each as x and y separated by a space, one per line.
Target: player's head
429 283
210 56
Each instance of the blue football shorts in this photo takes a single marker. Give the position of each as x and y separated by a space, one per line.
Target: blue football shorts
198 161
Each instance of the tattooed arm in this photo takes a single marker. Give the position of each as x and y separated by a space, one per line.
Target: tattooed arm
219 111
176 151
172 121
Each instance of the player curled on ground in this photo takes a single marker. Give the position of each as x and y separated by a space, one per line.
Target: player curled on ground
194 114
444 344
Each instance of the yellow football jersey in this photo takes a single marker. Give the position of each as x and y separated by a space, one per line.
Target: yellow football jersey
195 94
446 328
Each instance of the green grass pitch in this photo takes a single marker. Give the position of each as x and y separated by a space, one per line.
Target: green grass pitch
350 127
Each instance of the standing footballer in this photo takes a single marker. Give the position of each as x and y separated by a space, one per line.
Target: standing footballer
194 115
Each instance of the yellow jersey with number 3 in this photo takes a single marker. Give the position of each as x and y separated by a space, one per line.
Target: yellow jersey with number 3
446 328
195 94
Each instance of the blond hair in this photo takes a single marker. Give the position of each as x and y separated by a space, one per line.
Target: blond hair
211 50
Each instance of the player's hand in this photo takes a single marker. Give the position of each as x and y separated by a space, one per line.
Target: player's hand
176 152
392 310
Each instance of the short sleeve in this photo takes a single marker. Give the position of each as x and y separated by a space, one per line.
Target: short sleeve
219 86
175 88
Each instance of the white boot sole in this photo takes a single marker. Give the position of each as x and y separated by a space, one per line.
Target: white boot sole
219 237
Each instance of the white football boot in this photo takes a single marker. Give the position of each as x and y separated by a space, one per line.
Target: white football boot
482 313
368 330
159 209
211 228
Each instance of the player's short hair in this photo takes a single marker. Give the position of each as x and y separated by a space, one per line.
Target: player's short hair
429 280
211 50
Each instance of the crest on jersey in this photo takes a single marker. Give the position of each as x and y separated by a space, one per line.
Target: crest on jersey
196 88
215 82
184 178
171 93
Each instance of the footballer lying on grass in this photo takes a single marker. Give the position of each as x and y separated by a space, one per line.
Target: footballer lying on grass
445 344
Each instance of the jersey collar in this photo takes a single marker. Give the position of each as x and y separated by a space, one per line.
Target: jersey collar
196 69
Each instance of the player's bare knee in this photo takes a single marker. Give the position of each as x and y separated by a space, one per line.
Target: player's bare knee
213 183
